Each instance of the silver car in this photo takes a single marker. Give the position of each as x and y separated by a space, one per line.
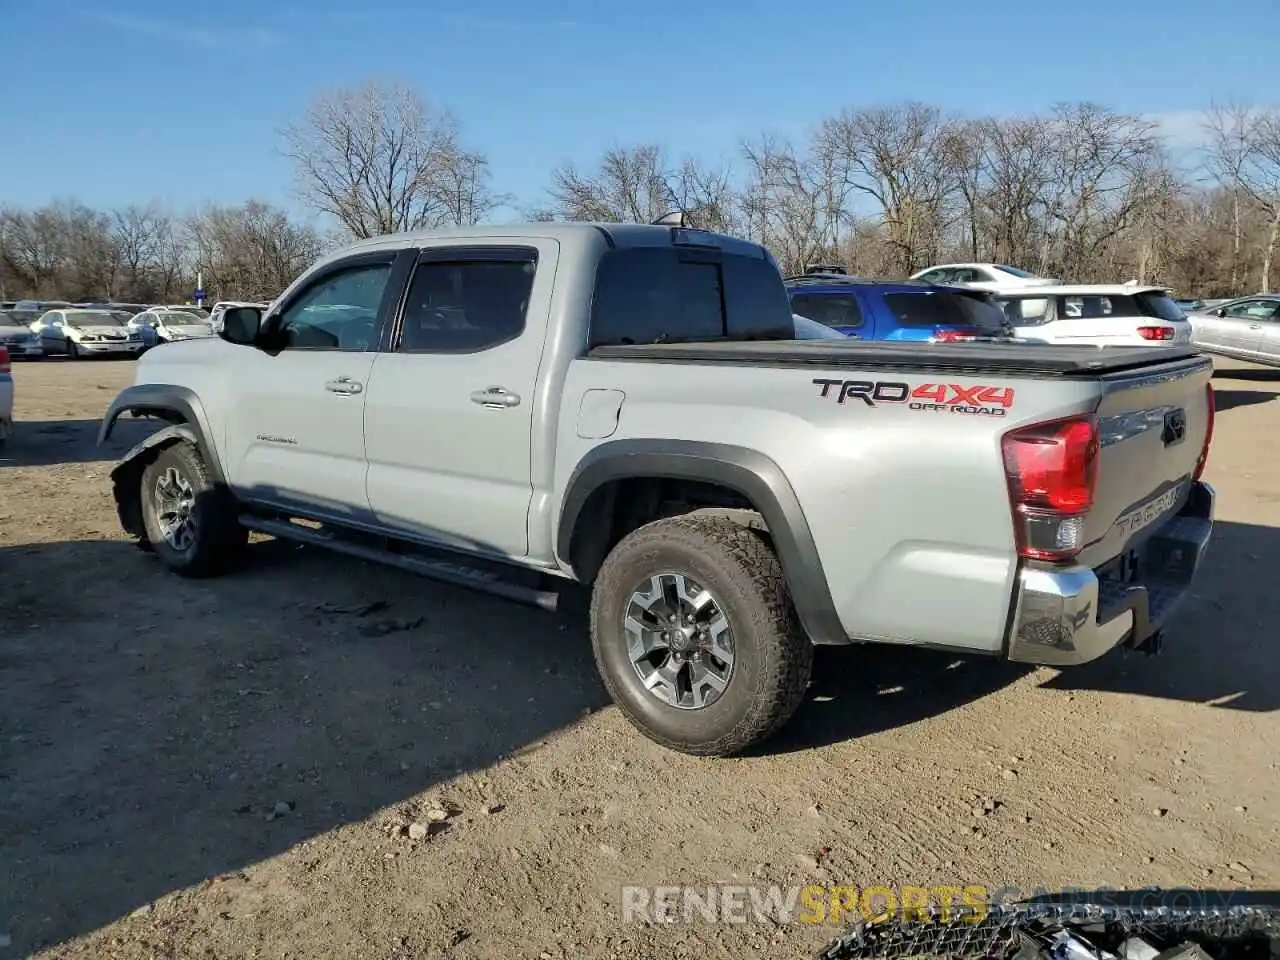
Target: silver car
1246 329
168 324
85 333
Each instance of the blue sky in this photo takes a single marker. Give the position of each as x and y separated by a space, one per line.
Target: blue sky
114 101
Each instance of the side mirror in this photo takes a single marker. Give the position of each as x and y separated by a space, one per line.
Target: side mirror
1220 312
241 325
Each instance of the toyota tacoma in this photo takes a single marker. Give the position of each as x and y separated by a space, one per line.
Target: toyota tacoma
626 407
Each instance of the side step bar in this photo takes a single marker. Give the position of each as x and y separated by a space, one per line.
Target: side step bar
453 573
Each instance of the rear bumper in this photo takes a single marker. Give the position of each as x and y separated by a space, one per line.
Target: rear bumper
1071 615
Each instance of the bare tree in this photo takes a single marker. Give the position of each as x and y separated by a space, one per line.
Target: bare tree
631 185
1230 129
251 251
793 202
379 159
894 155
1260 177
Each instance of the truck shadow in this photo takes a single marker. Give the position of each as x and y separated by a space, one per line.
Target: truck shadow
1229 399
152 725
1220 650
43 443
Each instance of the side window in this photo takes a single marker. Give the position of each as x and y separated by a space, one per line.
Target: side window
1245 309
652 295
830 309
337 312
1084 308
465 306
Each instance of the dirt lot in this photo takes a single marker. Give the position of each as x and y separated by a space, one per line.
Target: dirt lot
150 726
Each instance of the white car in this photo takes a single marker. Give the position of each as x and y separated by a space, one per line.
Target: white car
1102 314
85 333
222 306
168 324
6 395
982 276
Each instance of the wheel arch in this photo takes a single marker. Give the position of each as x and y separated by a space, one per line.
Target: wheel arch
588 510
187 422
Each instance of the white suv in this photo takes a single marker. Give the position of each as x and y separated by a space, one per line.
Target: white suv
1102 314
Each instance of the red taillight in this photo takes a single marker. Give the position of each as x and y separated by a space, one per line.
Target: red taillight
1052 472
1155 333
951 336
5 365
1208 431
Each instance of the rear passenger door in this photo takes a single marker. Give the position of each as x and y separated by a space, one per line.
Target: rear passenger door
451 405
1240 327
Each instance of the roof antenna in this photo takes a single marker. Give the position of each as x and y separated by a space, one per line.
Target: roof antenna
676 218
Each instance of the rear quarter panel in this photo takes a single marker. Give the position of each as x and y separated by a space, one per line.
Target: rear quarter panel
908 507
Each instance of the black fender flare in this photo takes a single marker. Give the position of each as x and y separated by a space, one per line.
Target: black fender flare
747 472
171 398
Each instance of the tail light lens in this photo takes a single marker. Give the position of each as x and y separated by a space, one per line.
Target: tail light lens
1052 472
951 336
1208 431
5 365
1156 333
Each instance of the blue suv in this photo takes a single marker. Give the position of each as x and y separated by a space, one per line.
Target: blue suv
896 309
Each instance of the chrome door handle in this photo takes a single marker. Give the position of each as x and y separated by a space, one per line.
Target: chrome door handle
1255 326
344 385
496 397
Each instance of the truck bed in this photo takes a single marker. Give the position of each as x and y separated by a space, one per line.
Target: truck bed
1024 360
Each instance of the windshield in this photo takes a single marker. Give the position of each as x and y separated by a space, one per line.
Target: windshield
89 318
1016 272
175 319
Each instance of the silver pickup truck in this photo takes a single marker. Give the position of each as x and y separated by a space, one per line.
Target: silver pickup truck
624 406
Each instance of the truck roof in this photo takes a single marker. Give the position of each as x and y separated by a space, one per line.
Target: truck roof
617 234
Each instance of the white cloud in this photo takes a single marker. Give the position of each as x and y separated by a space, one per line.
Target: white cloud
186 34
1183 130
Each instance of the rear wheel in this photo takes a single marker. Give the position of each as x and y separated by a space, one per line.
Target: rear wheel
190 521
695 635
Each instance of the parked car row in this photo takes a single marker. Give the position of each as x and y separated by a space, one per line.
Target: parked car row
989 302
82 330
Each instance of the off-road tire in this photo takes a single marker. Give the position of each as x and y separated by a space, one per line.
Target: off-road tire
220 540
773 657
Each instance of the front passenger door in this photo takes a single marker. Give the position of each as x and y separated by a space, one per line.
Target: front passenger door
295 435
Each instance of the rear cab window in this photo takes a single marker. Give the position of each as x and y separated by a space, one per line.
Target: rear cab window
675 294
941 308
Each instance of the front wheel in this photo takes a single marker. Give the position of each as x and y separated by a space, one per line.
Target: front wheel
696 637
73 351
190 520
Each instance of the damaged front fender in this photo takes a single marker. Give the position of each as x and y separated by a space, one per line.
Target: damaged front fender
126 475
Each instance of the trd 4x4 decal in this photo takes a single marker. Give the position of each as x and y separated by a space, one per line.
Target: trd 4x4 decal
938 397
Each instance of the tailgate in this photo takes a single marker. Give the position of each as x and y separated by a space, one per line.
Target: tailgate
1151 426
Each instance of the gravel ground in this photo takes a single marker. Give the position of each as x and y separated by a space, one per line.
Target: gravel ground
226 768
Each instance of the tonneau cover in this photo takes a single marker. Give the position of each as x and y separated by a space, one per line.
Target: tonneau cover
1021 359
